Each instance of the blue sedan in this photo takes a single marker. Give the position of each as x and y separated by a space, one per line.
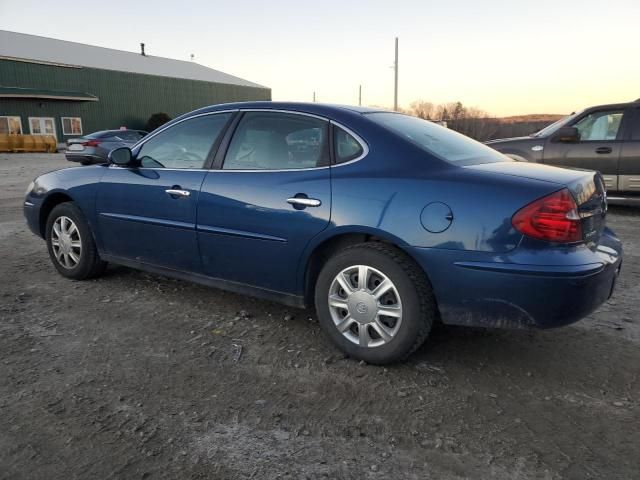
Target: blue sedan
384 222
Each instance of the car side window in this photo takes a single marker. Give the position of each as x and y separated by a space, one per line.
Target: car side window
599 126
346 147
635 127
277 141
184 145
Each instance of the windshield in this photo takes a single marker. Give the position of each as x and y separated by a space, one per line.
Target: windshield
439 141
549 129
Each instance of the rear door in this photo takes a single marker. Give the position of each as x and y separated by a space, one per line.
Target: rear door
269 196
601 137
148 213
629 164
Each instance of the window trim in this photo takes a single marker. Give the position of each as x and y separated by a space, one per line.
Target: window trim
222 151
621 128
62 119
53 121
225 139
19 122
220 158
208 164
334 156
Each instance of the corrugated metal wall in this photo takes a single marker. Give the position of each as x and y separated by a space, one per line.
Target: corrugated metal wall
125 99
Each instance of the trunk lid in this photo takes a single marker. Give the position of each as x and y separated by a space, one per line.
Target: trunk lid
586 186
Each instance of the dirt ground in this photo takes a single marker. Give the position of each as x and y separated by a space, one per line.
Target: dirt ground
139 376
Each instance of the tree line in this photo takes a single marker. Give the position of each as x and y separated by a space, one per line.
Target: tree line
477 123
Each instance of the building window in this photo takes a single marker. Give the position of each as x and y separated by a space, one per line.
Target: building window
71 126
42 126
11 125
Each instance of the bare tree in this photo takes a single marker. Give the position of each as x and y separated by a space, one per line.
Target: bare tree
422 109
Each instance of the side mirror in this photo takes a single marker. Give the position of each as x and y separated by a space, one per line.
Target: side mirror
567 135
120 156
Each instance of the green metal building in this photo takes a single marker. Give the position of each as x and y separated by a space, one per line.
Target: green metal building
67 89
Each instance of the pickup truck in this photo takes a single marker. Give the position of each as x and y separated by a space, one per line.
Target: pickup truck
605 138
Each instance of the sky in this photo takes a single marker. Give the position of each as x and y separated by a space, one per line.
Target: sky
505 57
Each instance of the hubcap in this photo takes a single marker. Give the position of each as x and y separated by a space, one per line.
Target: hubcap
365 306
66 242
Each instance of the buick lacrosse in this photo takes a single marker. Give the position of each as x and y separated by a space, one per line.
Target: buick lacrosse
384 222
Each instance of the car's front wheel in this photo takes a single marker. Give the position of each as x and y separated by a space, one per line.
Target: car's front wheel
70 243
375 303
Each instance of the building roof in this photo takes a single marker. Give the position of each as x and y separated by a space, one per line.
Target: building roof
32 48
19 92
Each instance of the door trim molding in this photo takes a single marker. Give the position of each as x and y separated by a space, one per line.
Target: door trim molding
239 233
149 221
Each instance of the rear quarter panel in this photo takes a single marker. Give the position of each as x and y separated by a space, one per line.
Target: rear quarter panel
482 203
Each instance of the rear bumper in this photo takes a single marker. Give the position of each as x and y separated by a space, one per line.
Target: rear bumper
499 291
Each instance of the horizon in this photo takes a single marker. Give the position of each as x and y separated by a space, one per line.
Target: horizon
507 60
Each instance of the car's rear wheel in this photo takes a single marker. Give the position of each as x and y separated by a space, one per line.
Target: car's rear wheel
70 243
375 303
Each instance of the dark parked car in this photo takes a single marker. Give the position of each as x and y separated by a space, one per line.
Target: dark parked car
385 222
605 138
95 147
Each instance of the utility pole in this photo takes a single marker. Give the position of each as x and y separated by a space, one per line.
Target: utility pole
395 86
314 97
359 95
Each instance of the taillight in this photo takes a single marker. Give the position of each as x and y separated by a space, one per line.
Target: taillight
91 143
553 218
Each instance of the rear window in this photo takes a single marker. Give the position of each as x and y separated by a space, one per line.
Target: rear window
439 141
128 135
100 134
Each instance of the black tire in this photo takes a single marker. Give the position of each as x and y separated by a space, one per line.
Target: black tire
89 265
418 302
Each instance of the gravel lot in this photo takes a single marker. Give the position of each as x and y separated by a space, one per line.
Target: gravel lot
138 376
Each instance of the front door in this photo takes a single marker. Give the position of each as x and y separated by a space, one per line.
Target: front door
270 196
148 213
598 148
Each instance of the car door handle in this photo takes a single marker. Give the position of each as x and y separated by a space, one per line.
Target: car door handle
603 150
304 202
176 192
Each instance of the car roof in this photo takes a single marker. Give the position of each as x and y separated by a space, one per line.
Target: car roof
308 107
102 132
613 105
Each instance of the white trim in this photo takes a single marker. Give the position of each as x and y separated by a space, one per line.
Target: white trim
13 116
53 122
359 139
62 119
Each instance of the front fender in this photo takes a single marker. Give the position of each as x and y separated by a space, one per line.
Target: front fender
76 184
